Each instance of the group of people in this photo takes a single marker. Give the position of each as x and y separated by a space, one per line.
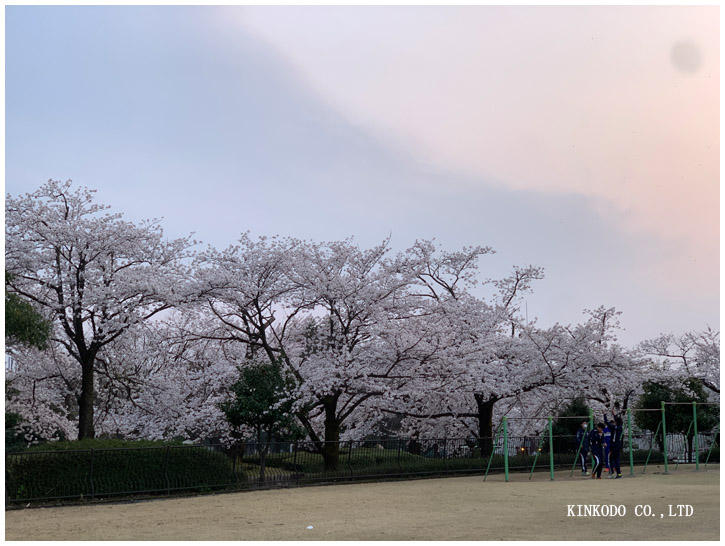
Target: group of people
605 445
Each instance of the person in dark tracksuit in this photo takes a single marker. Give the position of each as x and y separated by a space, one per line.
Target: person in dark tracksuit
582 442
616 444
596 445
607 445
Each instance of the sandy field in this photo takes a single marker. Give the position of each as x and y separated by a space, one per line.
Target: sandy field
463 508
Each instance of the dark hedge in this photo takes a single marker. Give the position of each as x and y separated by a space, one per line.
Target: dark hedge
55 471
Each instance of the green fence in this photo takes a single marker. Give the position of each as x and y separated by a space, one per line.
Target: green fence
39 476
639 448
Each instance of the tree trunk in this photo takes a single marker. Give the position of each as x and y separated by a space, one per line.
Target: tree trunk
85 402
331 449
485 424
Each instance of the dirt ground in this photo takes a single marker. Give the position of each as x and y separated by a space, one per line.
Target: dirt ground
463 508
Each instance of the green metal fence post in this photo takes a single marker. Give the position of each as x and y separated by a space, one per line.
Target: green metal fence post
539 448
714 443
551 449
505 449
685 454
578 451
651 445
536 457
493 450
664 434
629 434
696 445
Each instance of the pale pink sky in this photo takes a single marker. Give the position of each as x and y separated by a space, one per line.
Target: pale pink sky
581 139
619 103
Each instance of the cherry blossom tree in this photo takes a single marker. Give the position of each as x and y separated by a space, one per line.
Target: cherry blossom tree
536 368
149 384
96 273
350 324
164 386
601 371
692 354
486 357
147 337
40 388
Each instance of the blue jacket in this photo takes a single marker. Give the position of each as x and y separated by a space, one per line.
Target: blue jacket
596 442
617 432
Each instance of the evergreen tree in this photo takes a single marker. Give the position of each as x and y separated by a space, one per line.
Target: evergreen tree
23 324
678 418
262 400
564 430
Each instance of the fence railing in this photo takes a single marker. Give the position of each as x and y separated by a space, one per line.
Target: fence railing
33 476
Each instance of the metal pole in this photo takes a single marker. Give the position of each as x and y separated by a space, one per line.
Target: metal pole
505 449
685 453
664 434
714 443
539 448
696 446
578 451
551 450
629 434
651 444
493 450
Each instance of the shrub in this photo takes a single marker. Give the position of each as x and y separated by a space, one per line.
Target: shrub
113 467
714 456
13 437
640 457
